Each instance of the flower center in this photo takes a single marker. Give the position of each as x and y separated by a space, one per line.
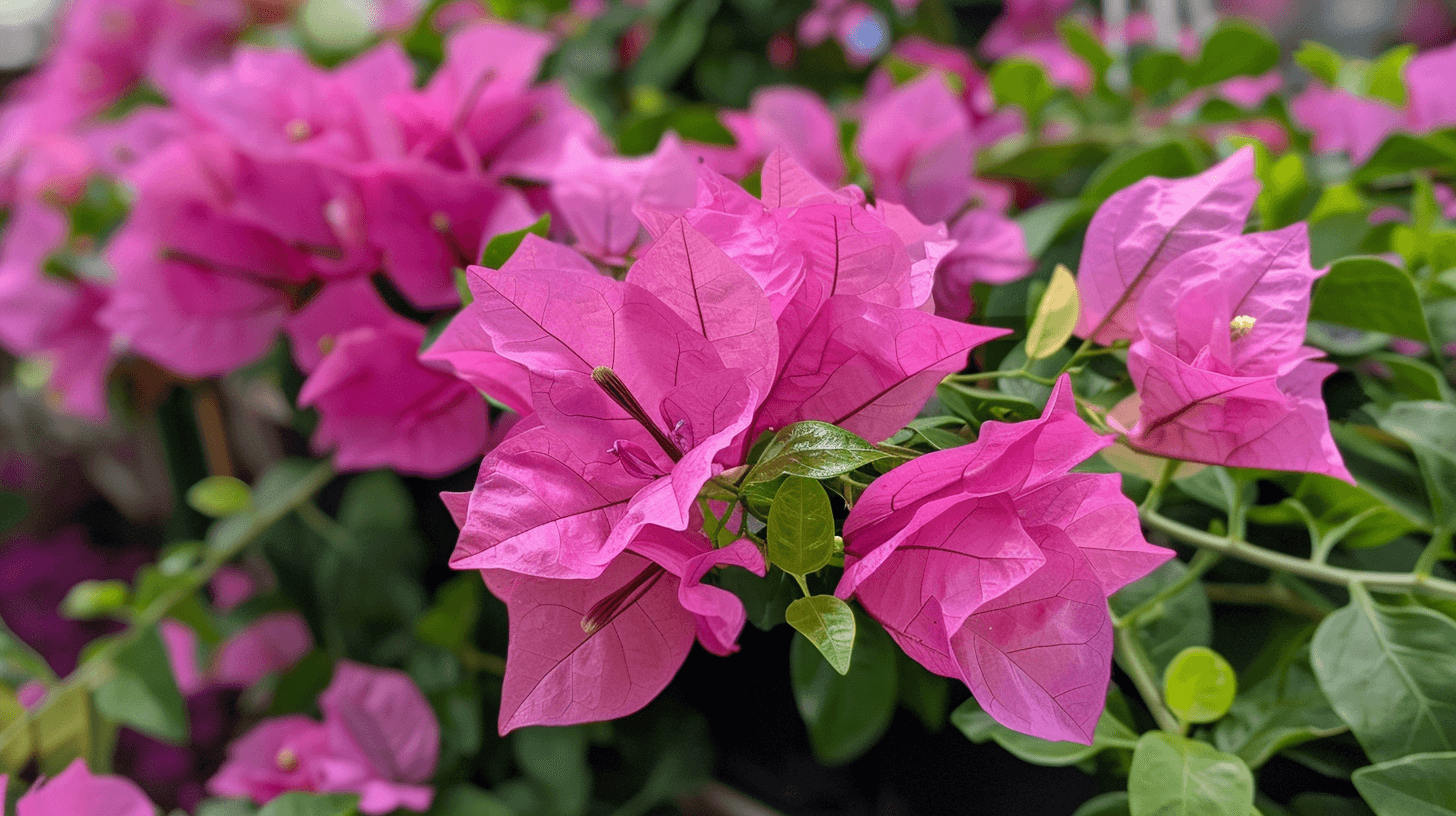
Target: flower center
298 130
607 609
609 382
1240 327
287 760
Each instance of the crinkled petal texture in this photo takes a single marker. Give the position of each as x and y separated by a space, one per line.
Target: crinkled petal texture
78 792
868 368
1223 375
992 563
1137 232
558 673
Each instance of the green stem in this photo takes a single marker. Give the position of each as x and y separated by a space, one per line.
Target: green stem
1244 551
96 669
1135 661
1272 594
1202 560
1154 499
1439 545
1017 374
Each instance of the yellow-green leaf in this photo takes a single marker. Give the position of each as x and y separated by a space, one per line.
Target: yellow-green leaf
1055 317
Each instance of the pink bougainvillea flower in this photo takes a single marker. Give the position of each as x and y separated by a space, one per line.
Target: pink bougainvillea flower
379 738
917 145
595 194
379 406
1344 123
584 650
1021 22
272 643
1221 366
629 382
78 792
1016 609
1431 101
990 249
1137 232
785 118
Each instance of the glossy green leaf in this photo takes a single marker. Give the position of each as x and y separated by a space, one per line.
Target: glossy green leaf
1409 378
1177 776
1056 316
767 599
1199 685
1417 785
501 247
142 693
1085 44
828 623
845 714
978 726
1237 48
1321 60
1429 428
1181 621
1371 294
816 450
1388 672
311 804
800 527
1284 709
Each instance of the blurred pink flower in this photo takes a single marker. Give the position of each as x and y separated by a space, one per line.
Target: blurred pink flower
78 792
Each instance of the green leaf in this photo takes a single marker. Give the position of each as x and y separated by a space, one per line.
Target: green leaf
1410 379
1155 71
450 622
1177 776
1402 152
1384 78
1056 316
671 50
13 509
94 599
1429 427
766 600
1108 804
845 715
312 804
1183 620
1199 685
65 728
282 488
816 450
227 807
828 623
555 761
1169 159
1387 672
1371 294
1417 785
500 248
978 726
1082 42
219 496
1320 60
1023 83
378 513
142 692
1041 224
468 800
16 745
1235 49
800 527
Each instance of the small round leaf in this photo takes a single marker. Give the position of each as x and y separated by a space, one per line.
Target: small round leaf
1199 685
219 496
